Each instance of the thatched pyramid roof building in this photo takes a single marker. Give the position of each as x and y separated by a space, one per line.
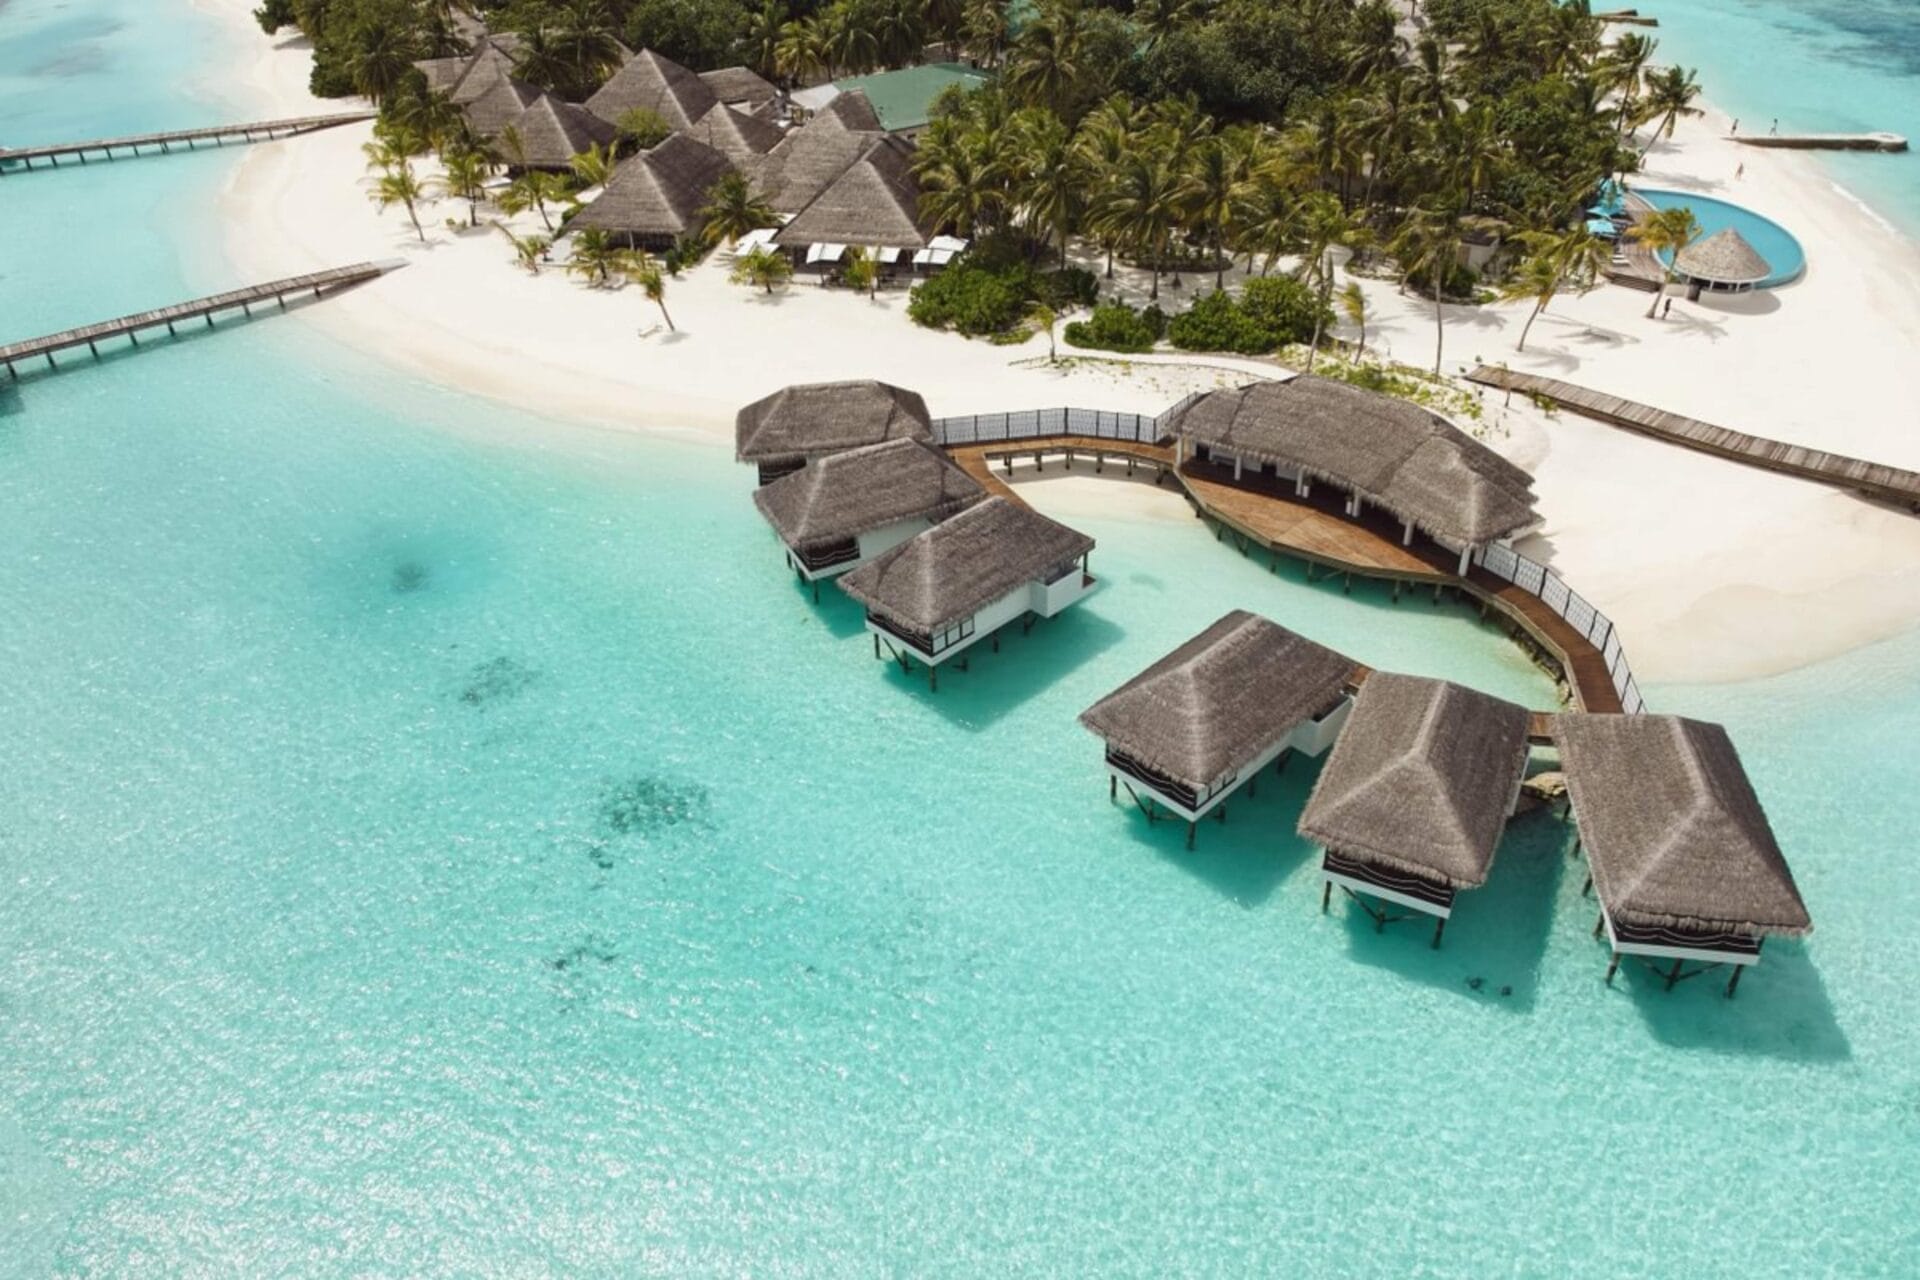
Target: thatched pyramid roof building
1724 257
815 419
847 494
551 133
653 83
658 194
875 201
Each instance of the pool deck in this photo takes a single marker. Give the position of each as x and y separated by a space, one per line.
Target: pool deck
1313 530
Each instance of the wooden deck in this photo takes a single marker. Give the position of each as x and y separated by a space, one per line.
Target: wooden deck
1873 479
1314 530
218 135
1874 141
244 300
1642 270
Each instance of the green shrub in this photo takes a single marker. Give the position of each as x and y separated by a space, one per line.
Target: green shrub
1069 287
971 298
1460 283
1283 307
1115 326
1273 312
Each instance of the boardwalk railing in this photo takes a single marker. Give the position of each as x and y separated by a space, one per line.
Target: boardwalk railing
1536 579
218 134
1041 424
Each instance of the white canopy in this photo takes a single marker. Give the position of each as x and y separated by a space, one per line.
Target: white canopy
825 252
759 238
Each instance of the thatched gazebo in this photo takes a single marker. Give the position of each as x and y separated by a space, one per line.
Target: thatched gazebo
1201 723
1678 848
1723 260
1430 475
1412 803
874 203
847 508
550 133
653 83
655 198
936 595
743 88
796 425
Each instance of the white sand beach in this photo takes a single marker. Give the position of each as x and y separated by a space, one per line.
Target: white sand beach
1713 571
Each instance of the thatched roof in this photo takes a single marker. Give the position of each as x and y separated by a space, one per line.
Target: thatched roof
851 110
658 193
815 419
489 114
1421 780
1220 700
953 570
487 68
1674 834
739 137
658 84
1724 257
875 202
1396 454
806 162
740 84
443 73
847 494
553 132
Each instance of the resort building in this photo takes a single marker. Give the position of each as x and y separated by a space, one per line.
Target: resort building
806 162
743 89
485 68
655 198
500 106
937 595
550 133
1428 474
783 432
739 137
849 507
650 82
874 204
1201 723
1721 261
1412 803
1678 849
902 101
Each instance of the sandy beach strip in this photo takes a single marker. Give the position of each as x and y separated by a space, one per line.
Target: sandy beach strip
1713 571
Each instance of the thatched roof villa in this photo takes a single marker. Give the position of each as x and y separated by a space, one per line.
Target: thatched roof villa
936 595
1426 472
501 105
1201 723
739 137
850 110
654 198
847 508
653 83
806 161
742 88
1411 805
796 425
551 133
1680 852
874 203
484 69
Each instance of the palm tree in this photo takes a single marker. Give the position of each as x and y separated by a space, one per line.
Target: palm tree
1140 208
949 19
1622 69
761 268
1053 176
959 186
987 29
1264 217
382 55
899 30
1665 231
850 41
1209 193
802 50
644 270
1428 244
391 146
399 186
1045 69
734 208
584 42
594 166
760 42
1353 303
593 255
641 128
1574 256
1323 224
1670 95
862 271
532 189
467 171
527 250
1041 316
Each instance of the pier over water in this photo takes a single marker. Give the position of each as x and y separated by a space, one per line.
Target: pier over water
218 135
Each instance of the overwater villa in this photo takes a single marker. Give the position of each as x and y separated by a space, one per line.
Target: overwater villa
1377 449
655 198
1199 724
935 596
1678 848
550 132
1410 807
847 508
1723 261
783 432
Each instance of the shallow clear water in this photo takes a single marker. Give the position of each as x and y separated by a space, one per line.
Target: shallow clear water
1772 241
440 841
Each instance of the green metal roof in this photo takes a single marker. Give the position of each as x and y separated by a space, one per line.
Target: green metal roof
903 98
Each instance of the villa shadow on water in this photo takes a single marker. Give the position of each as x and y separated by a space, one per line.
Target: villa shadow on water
994 684
1782 1009
1497 937
1249 855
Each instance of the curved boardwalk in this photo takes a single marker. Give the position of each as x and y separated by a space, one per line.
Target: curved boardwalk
1273 519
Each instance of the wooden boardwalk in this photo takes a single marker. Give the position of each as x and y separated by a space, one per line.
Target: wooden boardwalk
1875 141
1314 530
1873 479
243 300
218 135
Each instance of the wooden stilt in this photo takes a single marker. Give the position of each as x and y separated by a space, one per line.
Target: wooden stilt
1613 967
1733 983
1673 975
1189 835
876 644
1599 923
1587 888
1113 789
1326 896
1440 927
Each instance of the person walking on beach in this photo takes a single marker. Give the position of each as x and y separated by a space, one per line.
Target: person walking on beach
1740 171
1736 127
1666 307
1774 129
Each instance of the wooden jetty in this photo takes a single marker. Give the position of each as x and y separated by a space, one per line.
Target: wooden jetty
244 300
218 135
1875 141
1316 532
1873 479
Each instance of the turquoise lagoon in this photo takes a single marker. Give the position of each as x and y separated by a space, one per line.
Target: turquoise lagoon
441 841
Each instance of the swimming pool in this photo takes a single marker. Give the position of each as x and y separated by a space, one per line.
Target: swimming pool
1773 241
